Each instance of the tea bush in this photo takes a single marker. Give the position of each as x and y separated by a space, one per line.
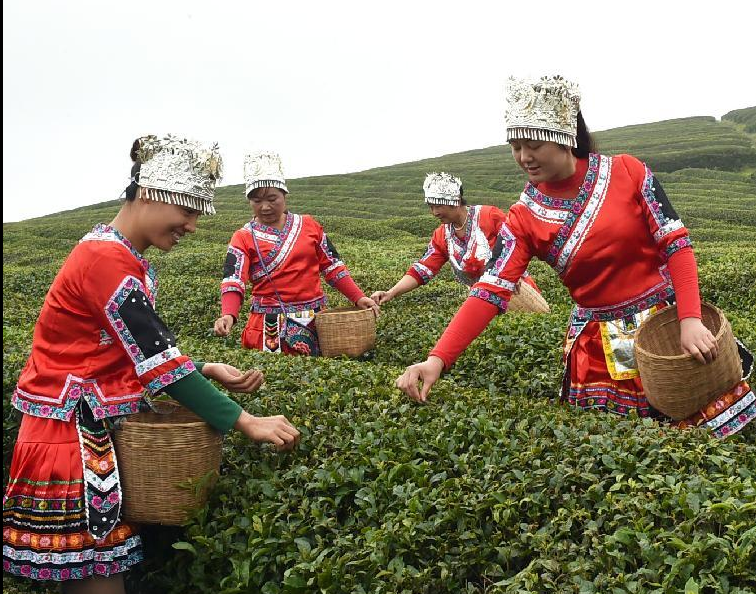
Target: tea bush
491 486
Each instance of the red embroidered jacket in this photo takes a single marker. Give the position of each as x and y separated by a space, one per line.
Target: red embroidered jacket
609 244
467 256
294 256
98 337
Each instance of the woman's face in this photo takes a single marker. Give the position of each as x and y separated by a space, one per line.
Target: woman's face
268 204
542 160
445 213
163 225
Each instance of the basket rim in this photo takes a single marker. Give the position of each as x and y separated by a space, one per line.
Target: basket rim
684 356
528 294
343 310
185 424
177 407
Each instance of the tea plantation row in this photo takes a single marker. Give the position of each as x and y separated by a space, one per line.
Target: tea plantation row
492 486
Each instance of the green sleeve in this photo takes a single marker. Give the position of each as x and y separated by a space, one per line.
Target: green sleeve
199 365
201 397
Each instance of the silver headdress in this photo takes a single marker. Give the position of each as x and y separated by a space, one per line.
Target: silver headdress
179 171
544 109
263 169
442 188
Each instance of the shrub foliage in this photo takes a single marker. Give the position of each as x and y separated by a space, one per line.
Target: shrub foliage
492 486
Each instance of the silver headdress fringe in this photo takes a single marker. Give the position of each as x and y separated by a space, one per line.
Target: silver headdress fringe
442 201
541 134
186 200
266 183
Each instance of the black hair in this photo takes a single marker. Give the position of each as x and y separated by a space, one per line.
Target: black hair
585 142
131 190
462 201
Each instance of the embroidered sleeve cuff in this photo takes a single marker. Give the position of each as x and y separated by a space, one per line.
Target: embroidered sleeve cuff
158 360
332 267
167 377
420 272
232 287
333 277
490 297
676 246
669 227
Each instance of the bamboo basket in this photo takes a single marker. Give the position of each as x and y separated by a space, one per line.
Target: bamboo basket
676 383
527 299
158 451
345 331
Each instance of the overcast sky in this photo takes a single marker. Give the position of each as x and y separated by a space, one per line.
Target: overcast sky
334 86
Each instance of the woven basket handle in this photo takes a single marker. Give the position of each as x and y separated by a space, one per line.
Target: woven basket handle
162 407
672 321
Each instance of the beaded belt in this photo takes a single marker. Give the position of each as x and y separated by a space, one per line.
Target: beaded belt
267 305
627 308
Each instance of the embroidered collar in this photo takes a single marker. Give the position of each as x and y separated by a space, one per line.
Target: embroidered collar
282 241
103 232
451 231
473 249
576 207
564 203
283 232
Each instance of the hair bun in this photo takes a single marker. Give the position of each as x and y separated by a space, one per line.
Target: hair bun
134 153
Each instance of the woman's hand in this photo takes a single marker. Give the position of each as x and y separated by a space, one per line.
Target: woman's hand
426 372
232 379
382 297
223 325
697 340
276 430
368 303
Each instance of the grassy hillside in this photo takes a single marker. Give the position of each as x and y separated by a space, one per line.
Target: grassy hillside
491 487
744 117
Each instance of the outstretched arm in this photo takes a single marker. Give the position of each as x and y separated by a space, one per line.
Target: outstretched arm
405 284
200 396
231 378
489 296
